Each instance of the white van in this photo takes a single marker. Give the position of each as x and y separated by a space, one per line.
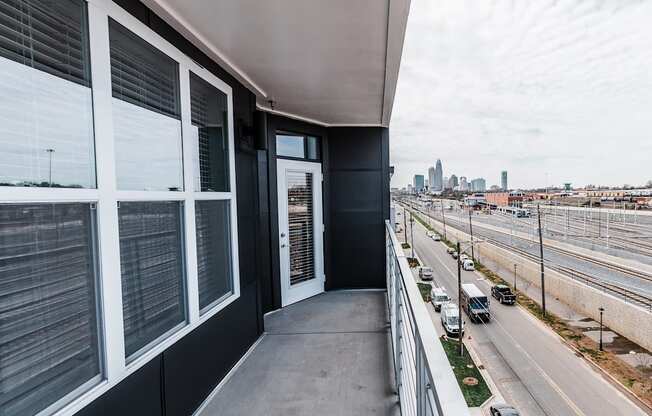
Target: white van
439 298
450 320
467 265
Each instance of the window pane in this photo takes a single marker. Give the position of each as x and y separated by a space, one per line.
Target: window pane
210 134
213 251
312 148
46 114
146 116
290 146
49 343
151 259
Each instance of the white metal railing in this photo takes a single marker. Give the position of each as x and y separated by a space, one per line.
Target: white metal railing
424 378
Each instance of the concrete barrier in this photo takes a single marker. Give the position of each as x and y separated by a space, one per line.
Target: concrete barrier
627 319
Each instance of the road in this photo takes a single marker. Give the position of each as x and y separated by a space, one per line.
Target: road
532 368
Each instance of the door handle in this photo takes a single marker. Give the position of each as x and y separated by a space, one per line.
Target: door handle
283 245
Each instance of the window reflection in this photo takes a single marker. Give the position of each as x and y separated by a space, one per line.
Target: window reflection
46 120
210 136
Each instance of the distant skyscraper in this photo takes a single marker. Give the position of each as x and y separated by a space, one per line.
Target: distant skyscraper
438 182
444 182
478 185
431 179
453 182
418 183
503 180
464 185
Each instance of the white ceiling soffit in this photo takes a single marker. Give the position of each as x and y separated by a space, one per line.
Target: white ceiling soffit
333 62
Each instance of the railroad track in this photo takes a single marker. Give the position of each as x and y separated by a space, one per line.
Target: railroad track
583 277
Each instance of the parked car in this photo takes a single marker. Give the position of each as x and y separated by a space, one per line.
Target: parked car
504 294
467 264
502 409
439 298
429 233
454 254
425 273
436 237
450 320
450 250
463 256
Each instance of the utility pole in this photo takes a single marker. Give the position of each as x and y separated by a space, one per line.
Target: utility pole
405 224
601 309
412 233
471 230
443 217
514 277
460 325
543 279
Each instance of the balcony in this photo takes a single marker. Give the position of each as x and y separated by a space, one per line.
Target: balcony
342 352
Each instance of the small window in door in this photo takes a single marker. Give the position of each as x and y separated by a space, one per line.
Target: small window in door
297 146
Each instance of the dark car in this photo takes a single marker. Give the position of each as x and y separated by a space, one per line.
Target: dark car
503 410
504 294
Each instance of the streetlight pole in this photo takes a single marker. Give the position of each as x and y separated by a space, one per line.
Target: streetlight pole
543 279
471 230
412 233
601 309
443 217
405 211
50 151
460 326
514 277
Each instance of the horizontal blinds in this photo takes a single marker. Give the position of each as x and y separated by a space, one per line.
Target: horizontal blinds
208 112
142 75
151 259
300 226
213 251
48 35
48 310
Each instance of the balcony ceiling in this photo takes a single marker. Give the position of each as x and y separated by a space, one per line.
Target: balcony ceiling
334 62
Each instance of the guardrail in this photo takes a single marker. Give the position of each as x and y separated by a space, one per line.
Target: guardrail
425 381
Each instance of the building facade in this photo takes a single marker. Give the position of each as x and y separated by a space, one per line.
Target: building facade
503 180
418 183
431 179
464 185
453 182
478 185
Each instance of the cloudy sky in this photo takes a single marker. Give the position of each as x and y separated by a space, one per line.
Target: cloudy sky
540 88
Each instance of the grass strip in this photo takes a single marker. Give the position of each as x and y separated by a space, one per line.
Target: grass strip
463 366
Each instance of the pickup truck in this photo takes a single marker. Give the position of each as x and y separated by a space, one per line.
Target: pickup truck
503 294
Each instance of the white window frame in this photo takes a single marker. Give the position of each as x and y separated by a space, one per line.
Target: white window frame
106 196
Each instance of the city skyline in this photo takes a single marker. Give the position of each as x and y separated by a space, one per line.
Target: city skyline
485 89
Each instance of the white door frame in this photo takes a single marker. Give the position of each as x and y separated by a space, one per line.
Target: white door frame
294 293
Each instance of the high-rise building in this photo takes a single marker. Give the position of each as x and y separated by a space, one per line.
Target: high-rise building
503 180
478 185
453 182
431 179
464 185
438 182
418 183
444 183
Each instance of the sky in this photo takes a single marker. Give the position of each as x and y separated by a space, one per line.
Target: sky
551 91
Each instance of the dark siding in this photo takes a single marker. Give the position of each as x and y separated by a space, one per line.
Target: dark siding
178 380
359 181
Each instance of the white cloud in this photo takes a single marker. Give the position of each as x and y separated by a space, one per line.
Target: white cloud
563 87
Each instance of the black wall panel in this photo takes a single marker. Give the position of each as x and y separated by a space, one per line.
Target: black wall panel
359 205
138 394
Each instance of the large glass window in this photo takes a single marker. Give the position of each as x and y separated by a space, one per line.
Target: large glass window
46 113
297 146
215 275
210 135
49 344
152 265
146 114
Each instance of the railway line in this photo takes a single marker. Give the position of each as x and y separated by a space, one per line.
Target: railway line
629 294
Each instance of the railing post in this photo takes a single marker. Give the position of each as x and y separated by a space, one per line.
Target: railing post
399 331
420 376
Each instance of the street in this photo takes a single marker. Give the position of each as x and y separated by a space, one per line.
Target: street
531 366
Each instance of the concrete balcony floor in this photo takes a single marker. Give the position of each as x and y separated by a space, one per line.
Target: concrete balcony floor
327 355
